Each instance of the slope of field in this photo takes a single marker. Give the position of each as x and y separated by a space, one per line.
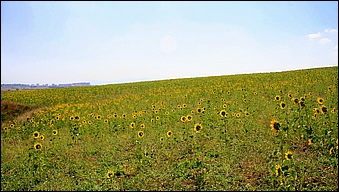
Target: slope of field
267 131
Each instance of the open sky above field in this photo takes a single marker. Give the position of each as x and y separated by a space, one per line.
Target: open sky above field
116 42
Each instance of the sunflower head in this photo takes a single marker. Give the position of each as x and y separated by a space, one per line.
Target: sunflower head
189 117
141 134
320 100
278 170
183 118
132 125
37 146
55 132
316 110
282 105
223 113
302 104
109 174
197 128
323 109
277 97
169 133
288 155
331 151
275 125
36 134
295 100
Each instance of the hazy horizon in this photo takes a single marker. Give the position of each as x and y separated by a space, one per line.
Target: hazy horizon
94 82
121 42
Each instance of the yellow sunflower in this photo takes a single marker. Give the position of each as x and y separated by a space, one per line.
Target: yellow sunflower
320 100
223 113
278 170
132 125
36 134
275 125
197 127
37 146
55 132
323 109
295 100
282 105
289 95
141 134
183 118
288 155
109 174
316 110
277 97
189 117
309 143
169 133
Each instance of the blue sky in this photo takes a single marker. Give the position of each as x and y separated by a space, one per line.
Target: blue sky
117 42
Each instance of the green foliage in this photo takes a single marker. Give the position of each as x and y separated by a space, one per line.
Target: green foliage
269 131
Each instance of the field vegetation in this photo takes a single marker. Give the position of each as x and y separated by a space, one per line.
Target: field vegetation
265 131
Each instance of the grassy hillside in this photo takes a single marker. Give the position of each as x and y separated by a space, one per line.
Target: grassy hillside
268 131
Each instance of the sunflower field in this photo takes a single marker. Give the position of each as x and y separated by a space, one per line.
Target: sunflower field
263 131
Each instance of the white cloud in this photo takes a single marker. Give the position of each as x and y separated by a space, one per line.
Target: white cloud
324 41
336 47
313 36
329 30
